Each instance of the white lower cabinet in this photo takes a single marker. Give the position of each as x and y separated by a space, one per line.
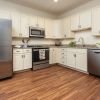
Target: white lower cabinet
81 62
53 55
77 58
22 59
74 58
63 56
71 59
18 62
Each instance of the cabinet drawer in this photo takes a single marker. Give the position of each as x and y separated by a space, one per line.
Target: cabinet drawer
77 50
27 50
81 51
63 50
17 50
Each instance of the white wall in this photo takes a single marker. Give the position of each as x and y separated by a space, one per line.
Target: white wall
87 35
15 7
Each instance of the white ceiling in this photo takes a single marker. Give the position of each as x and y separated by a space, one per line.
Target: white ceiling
51 7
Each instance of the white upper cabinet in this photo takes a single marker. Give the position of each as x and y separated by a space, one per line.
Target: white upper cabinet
15 17
85 19
25 25
95 21
75 22
4 14
57 29
49 28
33 21
41 22
81 21
53 29
66 28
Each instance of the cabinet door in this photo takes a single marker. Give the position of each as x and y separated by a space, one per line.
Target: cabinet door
27 60
33 21
57 29
52 56
85 19
71 59
18 62
67 28
15 16
49 28
75 22
5 14
41 22
63 56
24 25
81 62
95 21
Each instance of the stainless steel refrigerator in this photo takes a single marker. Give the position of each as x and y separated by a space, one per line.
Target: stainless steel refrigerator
6 68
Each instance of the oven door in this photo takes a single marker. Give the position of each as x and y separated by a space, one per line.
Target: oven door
40 56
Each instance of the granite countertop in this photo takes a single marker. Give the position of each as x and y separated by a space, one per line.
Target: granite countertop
62 46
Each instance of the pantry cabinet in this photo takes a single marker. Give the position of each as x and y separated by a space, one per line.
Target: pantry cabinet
95 21
81 21
22 59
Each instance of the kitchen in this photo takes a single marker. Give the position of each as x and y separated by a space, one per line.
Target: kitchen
54 55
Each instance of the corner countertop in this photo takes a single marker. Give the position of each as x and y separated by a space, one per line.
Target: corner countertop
62 46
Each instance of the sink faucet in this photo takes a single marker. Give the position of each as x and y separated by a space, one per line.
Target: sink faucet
81 40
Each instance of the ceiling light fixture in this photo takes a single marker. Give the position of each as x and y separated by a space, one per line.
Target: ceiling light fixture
55 1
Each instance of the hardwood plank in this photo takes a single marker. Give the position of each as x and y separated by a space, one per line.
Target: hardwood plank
54 83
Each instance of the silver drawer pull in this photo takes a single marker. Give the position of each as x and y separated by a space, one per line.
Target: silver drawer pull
17 51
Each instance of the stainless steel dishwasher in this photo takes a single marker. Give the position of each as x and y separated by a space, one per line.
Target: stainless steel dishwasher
94 61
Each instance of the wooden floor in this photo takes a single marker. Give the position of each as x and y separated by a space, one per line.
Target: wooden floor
54 83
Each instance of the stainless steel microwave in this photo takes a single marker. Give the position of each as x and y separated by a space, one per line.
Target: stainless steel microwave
36 32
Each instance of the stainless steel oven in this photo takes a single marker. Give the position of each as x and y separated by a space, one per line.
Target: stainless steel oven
40 58
36 32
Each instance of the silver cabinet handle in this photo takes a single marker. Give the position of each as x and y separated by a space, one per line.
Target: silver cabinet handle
74 55
22 56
